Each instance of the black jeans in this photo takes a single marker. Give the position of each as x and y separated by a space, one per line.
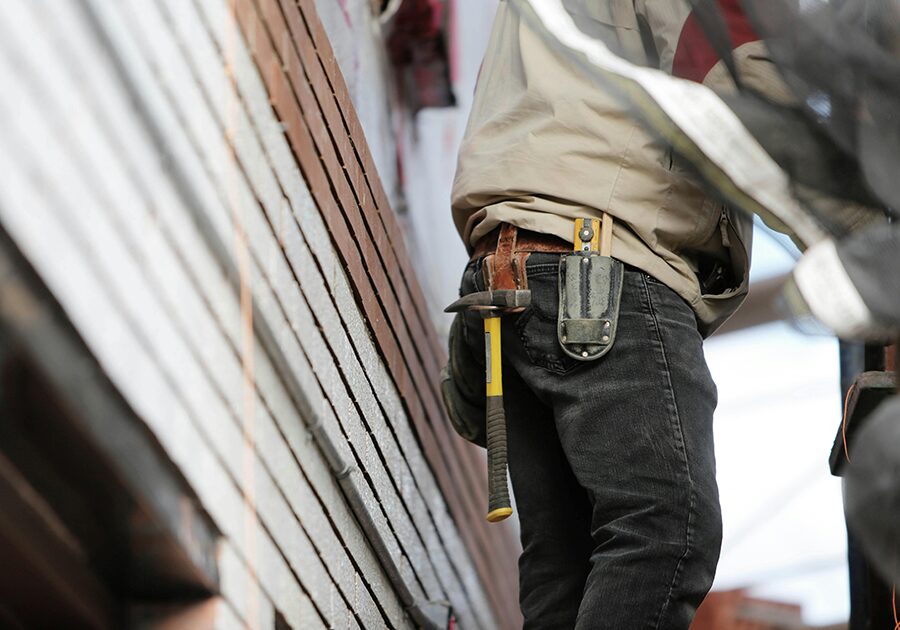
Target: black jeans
611 461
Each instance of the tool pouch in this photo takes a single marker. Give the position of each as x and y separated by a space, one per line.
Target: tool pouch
590 290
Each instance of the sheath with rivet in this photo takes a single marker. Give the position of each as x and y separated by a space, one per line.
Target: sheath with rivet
590 289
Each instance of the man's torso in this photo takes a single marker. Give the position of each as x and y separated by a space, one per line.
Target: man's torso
545 145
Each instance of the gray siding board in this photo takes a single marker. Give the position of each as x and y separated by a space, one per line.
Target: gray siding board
247 602
332 375
136 259
236 379
94 224
311 223
357 534
95 221
381 383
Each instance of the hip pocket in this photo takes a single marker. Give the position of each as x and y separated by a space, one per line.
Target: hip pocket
537 325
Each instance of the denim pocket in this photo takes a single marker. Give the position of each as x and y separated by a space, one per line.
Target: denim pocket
467 284
537 325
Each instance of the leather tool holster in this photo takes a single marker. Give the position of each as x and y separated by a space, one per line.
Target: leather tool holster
590 292
506 250
505 268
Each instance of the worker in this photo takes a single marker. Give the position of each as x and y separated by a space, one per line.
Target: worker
611 459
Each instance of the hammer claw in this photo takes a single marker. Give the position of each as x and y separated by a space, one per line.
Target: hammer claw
503 300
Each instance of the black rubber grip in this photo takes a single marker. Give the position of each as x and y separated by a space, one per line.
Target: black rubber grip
498 490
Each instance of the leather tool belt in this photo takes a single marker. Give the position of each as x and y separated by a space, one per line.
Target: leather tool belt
506 249
590 281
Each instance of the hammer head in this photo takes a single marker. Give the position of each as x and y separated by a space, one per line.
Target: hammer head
504 300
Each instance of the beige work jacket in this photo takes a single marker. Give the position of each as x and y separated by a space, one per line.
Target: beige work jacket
544 144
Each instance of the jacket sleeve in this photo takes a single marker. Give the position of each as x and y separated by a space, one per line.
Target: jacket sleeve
684 50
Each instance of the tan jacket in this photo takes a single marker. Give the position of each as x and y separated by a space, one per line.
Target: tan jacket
544 145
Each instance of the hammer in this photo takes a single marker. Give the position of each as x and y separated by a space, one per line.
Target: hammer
491 305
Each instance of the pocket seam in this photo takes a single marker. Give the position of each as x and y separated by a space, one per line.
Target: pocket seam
557 365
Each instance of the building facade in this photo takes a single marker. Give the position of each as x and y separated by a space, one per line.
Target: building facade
219 369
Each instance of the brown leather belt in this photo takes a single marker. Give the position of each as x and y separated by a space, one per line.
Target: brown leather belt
506 249
522 241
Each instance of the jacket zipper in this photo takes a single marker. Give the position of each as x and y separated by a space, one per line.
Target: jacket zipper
723 225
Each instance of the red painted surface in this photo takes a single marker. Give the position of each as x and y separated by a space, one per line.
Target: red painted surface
695 56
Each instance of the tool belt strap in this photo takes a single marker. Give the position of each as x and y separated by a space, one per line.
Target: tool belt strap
505 251
521 241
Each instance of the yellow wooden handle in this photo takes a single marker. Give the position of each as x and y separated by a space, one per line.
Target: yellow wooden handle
598 234
587 235
493 367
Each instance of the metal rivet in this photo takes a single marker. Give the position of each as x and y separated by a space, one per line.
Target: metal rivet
584 261
584 354
605 337
565 339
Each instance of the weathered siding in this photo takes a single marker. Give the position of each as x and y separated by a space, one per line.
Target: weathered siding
237 271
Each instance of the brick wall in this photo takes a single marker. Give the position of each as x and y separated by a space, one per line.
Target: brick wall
190 182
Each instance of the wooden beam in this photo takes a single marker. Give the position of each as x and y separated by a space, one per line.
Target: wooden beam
46 579
172 540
